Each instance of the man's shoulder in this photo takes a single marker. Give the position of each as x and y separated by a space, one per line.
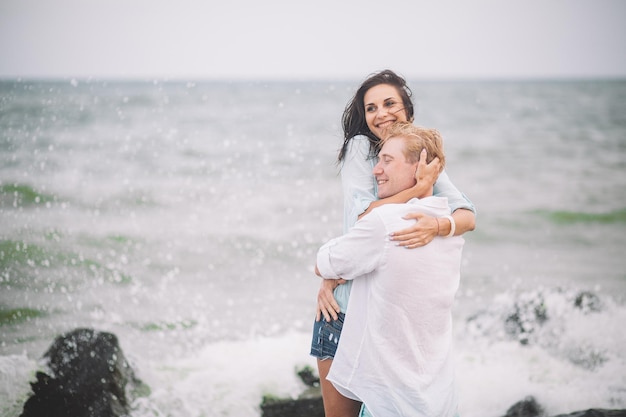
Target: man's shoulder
392 209
432 206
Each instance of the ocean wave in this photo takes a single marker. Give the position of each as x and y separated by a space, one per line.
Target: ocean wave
569 324
15 373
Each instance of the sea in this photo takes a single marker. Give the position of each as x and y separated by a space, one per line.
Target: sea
184 216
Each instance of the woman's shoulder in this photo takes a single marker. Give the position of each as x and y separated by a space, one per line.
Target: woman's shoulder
359 149
360 142
360 138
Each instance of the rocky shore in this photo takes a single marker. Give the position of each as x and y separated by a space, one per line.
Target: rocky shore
89 376
309 404
521 322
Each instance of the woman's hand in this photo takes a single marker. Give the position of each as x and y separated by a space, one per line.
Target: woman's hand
426 228
326 303
419 234
426 174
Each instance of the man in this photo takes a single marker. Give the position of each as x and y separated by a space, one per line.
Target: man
395 352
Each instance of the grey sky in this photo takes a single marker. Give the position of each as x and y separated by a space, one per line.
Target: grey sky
291 39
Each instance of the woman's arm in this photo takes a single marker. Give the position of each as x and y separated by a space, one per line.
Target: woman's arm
464 220
327 306
358 184
426 228
359 190
456 199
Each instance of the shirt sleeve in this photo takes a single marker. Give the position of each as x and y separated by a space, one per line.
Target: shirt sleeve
456 199
357 252
359 188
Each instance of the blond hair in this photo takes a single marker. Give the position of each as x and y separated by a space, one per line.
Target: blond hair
417 138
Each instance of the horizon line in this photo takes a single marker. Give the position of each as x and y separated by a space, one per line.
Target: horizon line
265 79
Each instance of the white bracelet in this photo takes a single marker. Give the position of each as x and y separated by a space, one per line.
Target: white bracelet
452 226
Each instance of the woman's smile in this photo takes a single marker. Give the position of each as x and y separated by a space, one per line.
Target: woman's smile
383 106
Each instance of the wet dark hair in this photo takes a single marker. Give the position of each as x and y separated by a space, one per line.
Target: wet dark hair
353 119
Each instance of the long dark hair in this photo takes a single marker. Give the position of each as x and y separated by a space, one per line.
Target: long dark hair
353 119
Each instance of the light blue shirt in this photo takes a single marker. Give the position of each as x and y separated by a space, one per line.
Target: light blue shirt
360 189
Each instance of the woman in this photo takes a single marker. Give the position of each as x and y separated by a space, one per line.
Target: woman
381 100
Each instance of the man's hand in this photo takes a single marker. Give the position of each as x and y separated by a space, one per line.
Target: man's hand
326 303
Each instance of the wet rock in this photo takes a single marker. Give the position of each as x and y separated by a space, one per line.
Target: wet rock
534 317
88 377
529 313
588 302
528 407
307 375
308 404
596 412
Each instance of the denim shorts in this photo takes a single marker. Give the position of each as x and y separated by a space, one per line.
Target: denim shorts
326 337
364 412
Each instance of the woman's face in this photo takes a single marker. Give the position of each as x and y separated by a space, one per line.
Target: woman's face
383 107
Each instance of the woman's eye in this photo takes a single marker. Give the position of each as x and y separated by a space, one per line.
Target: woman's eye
370 109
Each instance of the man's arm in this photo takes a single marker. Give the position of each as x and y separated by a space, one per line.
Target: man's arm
354 254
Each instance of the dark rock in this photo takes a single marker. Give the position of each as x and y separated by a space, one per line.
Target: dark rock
528 407
308 404
308 376
588 302
88 377
529 313
596 413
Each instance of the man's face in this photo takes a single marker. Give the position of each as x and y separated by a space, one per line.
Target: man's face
393 173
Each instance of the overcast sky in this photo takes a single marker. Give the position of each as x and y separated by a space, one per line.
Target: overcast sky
292 39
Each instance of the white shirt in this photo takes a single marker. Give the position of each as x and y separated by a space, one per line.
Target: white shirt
395 351
359 190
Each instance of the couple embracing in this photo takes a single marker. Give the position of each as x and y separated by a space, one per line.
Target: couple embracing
383 332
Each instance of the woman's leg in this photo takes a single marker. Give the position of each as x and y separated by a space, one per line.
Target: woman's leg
335 404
